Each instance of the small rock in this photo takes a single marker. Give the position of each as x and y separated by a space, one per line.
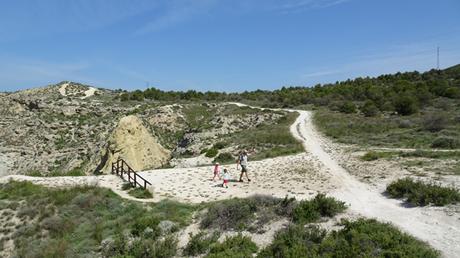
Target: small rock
166 226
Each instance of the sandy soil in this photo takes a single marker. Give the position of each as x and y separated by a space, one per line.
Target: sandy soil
302 176
62 89
88 93
4 165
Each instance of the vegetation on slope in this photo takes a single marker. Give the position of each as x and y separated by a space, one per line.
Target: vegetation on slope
360 238
254 212
90 221
85 221
421 194
409 109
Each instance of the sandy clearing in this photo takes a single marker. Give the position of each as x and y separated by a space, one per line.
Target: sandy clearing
298 175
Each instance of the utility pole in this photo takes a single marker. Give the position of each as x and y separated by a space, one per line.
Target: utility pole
437 60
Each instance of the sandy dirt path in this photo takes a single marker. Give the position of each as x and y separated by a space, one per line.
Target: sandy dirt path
428 224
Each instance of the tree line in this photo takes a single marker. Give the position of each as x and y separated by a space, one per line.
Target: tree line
403 93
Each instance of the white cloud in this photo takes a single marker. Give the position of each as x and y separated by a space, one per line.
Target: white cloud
174 12
293 6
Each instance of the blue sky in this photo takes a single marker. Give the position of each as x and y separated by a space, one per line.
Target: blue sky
223 45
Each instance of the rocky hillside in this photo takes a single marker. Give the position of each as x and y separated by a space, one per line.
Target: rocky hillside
78 129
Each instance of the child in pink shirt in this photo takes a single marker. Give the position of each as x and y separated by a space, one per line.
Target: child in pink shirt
216 171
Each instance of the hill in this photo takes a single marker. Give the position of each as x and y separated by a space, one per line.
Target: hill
66 127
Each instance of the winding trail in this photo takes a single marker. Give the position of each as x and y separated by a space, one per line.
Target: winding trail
432 226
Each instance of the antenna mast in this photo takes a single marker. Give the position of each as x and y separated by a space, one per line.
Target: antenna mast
437 60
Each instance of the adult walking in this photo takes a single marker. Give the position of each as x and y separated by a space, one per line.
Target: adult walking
243 162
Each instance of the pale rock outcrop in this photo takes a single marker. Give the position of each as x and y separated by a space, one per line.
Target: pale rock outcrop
135 144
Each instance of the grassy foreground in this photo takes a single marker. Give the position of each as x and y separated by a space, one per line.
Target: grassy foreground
89 221
94 222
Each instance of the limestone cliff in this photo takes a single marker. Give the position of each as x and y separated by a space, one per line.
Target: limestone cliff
135 144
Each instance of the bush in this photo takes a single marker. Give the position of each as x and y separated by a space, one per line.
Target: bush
347 107
445 142
200 243
237 246
361 238
405 105
140 193
421 194
370 156
295 241
321 206
211 153
435 122
452 92
369 109
144 222
219 145
141 247
250 213
126 186
224 158
229 214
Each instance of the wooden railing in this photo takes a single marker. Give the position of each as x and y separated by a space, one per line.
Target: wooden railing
121 168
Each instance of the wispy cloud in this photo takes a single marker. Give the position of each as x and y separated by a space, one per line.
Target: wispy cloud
25 19
293 6
174 12
320 73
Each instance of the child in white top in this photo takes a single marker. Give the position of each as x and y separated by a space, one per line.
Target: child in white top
226 178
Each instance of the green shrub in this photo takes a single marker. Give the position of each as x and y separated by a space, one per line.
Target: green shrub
219 145
200 243
369 109
446 142
229 214
295 241
224 158
348 107
250 213
56 173
360 238
126 186
211 153
435 122
144 222
370 156
370 238
237 246
421 194
405 105
321 206
140 193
